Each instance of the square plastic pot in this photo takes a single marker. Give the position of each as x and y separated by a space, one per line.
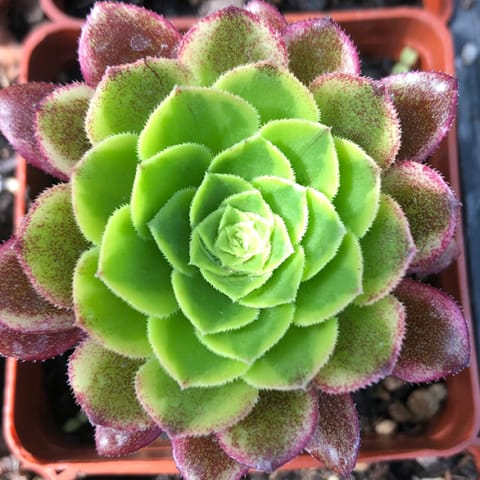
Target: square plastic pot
29 429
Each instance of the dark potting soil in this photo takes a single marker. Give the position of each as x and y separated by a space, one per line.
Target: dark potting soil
80 8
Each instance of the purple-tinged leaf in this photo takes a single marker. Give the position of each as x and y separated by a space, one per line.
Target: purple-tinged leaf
21 308
115 34
111 442
60 126
426 103
267 12
18 107
369 343
228 38
430 207
103 384
200 458
432 315
37 346
49 245
360 110
336 439
319 46
275 431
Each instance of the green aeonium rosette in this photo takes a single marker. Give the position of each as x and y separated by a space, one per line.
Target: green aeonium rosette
233 236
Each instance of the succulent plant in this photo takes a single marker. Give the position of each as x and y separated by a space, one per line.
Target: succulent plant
233 249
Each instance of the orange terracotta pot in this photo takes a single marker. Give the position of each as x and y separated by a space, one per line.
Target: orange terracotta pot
43 448
55 10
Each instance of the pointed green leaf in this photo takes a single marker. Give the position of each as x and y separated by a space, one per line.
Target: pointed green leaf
60 126
102 382
288 200
210 117
251 158
235 286
214 189
170 229
369 342
256 82
230 37
334 287
159 177
102 182
281 247
128 93
105 316
390 239
186 360
134 269
357 200
282 286
193 411
209 310
324 233
296 358
50 244
310 149
253 340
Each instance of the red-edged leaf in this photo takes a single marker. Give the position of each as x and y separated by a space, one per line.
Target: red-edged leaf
200 458
228 38
267 12
111 442
116 33
336 439
437 339
318 46
21 307
37 346
426 103
431 208
18 107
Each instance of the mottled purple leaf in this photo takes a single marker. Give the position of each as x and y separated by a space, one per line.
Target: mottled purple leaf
37 346
336 439
430 206
21 307
111 442
275 431
200 458
115 34
18 107
318 46
426 103
437 339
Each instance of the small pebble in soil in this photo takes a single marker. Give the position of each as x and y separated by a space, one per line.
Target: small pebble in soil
423 404
469 54
385 427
